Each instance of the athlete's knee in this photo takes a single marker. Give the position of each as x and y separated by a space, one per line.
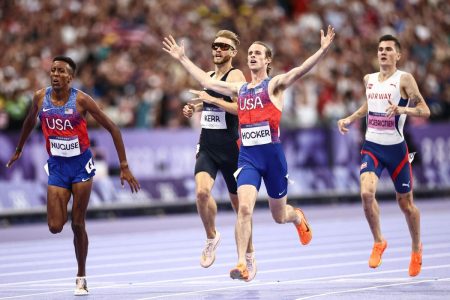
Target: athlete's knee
405 201
203 195
55 227
367 196
244 211
78 227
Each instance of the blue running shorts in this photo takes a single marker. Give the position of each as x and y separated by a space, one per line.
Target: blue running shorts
65 171
376 157
266 162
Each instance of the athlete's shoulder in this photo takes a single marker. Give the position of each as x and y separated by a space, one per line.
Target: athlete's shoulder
406 79
236 75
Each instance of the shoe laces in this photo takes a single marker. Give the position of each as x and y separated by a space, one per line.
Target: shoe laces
209 246
249 260
81 283
378 247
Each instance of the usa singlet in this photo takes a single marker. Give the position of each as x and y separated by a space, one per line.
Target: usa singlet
261 154
67 142
259 119
64 129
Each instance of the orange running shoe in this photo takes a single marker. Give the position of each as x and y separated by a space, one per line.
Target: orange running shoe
377 251
303 229
415 265
239 272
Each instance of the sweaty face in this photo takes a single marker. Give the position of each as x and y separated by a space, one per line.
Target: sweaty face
223 50
60 74
388 53
256 57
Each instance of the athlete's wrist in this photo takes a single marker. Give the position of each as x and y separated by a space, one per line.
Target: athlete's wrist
18 149
123 164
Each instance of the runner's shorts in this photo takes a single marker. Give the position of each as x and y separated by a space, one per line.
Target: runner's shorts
376 157
65 171
212 158
266 162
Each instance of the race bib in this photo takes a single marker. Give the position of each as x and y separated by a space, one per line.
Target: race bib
380 123
64 146
256 134
213 118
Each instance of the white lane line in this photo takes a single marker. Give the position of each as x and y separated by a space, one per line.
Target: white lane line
189 256
290 282
232 286
194 267
372 288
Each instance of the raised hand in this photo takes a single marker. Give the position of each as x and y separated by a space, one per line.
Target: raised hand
171 47
326 40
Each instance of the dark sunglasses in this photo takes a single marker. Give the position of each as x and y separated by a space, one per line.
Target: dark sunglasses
222 46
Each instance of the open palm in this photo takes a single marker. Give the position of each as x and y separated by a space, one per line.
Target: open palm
326 40
171 47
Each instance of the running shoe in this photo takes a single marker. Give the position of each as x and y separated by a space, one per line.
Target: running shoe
239 272
415 265
303 229
251 266
81 287
377 251
209 252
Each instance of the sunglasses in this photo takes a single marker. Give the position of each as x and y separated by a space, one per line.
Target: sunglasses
222 46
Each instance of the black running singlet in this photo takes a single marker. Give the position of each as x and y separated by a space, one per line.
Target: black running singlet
220 136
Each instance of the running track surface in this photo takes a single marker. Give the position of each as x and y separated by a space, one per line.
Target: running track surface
158 258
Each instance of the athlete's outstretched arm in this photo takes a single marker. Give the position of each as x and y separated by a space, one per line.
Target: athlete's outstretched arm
28 125
89 105
283 81
177 52
230 107
409 85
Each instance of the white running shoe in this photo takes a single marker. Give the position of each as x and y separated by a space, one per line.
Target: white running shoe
81 287
209 253
251 265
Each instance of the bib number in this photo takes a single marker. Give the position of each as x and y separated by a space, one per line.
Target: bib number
213 118
381 123
256 134
90 166
64 146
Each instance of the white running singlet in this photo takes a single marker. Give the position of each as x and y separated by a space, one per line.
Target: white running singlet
381 129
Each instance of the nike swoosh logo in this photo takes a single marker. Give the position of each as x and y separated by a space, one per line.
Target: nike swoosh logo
47 109
279 194
85 179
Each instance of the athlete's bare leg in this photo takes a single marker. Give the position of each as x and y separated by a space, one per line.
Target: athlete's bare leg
243 230
57 200
206 205
235 204
81 193
282 212
412 216
369 181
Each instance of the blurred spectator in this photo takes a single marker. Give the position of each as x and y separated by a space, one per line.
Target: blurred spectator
117 45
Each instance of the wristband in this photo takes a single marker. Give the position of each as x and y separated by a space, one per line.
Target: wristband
18 149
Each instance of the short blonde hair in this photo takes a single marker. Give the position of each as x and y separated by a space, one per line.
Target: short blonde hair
228 35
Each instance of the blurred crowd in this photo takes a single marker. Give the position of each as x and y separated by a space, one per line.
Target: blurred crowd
118 48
